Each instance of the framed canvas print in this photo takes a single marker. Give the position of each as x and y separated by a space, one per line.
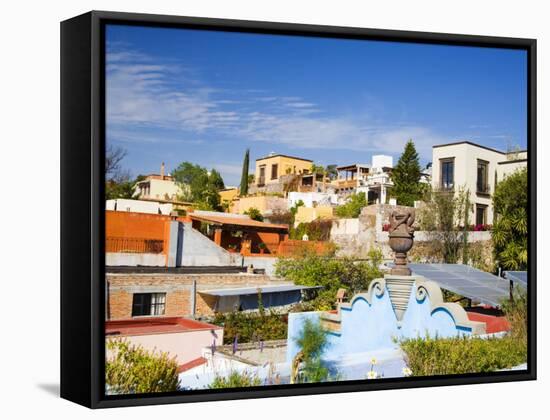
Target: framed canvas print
254 209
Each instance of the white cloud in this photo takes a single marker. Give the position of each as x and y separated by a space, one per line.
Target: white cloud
141 92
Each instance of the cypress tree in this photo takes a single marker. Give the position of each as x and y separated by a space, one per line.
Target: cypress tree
406 177
244 175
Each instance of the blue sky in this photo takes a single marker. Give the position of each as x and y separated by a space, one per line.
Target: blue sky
177 95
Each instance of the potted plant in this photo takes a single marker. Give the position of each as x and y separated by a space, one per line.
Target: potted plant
262 247
232 248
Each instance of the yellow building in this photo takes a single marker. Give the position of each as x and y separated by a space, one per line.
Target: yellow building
228 195
270 168
309 214
158 187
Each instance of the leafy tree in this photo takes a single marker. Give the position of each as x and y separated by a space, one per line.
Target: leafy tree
352 209
215 179
254 214
406 177
445 216
134 370
199 185
122 188
235 380
245 176
510 222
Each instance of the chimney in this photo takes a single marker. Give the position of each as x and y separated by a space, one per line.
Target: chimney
162 170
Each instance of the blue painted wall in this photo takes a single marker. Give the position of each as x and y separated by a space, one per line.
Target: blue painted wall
367 327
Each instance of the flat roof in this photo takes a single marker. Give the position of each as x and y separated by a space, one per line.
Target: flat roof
240 291
471 144
353 166
504 162
236 221
155 325
287 156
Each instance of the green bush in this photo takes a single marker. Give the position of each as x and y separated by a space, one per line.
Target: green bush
312 341
252 326
331 273
352 209
235 380
449 356
254 214
317 230
134 370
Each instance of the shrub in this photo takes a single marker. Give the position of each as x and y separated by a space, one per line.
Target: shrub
254 214
317 230
312 341
252 326
352 209
310 269
235 380
516 314
134 370
449 356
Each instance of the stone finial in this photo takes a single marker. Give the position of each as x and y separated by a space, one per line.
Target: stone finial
401 235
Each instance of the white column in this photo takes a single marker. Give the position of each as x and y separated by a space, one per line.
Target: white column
382 194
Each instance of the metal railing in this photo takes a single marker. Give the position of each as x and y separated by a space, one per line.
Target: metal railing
134 245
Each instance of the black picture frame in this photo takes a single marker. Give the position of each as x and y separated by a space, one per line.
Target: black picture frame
83 220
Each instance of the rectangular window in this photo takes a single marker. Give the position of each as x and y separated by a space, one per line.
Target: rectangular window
147 304
261 179
481 214
447 174
274 171
482 177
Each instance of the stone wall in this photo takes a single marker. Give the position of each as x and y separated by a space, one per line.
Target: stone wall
178 289
356 237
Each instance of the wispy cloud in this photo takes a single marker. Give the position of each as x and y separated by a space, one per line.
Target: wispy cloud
145 92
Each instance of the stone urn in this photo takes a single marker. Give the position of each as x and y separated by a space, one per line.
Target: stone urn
401 234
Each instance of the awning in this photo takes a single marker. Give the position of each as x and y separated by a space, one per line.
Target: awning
241 291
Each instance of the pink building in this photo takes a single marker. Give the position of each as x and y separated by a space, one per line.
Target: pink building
180 337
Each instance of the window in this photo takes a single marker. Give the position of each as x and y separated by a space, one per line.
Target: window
482 177
481 214
148 304
447 174
274 171
261 178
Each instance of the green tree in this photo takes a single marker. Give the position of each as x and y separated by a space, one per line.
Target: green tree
245 176
407 187
133 370
352 209
510 223
254 214
199 185
445 217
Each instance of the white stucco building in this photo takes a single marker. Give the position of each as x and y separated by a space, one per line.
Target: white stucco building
158 187
475 168
373 179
